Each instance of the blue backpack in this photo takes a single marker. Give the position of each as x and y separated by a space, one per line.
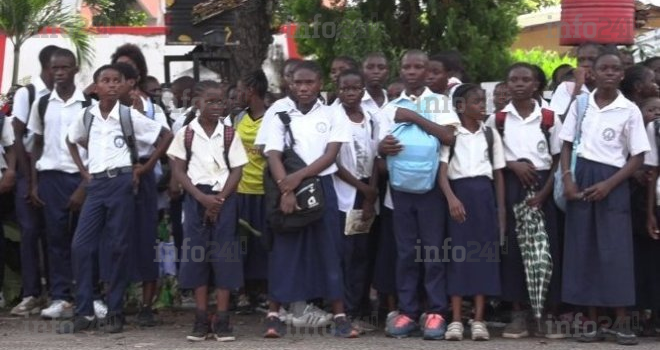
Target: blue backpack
415 168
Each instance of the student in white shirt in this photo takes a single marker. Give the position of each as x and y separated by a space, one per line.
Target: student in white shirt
354 187
7 181
30 219
112 175
56 183
530 136
307 265
209 173
471 179
598 248
376 70
419 218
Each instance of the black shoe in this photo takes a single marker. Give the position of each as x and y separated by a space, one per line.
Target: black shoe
145 317
201 327
79 324
222 331
274 328
114 324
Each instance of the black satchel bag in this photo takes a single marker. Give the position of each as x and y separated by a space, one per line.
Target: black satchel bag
309 194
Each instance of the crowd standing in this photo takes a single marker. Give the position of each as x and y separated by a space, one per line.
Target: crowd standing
350 197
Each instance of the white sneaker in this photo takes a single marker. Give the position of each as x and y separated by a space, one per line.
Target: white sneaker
454 331
100 309
58 309
285 316
391 316
479 331
2 301
28 306
312 317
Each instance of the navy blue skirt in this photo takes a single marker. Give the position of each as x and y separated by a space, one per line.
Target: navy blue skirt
384 280
513 280
475 270
251 208
598 249
307 264
142 243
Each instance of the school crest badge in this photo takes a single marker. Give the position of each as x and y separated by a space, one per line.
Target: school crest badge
321 127
119 141
541 147
608 134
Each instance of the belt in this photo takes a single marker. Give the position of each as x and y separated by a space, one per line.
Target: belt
110 173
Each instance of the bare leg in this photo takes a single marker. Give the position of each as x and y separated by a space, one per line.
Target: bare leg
222 299
456 308
479 305
201 298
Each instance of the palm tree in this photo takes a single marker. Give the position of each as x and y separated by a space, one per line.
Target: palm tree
22 19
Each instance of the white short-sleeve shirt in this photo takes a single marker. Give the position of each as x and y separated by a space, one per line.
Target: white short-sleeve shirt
471 157
312 133
562 96
106 147
283 104
21 107
145 150
57 119
207 161
651 157
609 134
524 139
6 140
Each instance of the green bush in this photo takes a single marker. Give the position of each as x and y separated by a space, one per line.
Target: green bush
548 60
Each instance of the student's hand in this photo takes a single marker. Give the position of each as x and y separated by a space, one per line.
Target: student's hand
138 171
34 197
8 181
526 173
597 192
580 75
457 210
77 199
571 190
404 115
501 217
538 200
389 146
209 201
86 177
290 182
174 190
288 203
652 227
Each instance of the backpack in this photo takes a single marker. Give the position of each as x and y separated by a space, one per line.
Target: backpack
310 196
488 134
547 122
582 102
126 123
189 135
42 106
415 168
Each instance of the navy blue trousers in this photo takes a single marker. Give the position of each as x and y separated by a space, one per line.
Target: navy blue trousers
31 222
419 227
55 189
142 246
108 211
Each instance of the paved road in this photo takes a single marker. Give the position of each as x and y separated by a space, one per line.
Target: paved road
32 333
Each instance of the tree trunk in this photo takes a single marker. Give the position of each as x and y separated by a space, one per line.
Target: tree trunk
253 31
17 59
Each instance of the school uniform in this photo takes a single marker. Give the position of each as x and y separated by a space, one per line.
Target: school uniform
58 178
598 259
646 249
470 173
563 95
419 220
307 264
357 157
209 249
6 140
108 212
142 256
523 139
30 219
252 208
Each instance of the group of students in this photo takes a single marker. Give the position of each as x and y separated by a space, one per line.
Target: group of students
95 164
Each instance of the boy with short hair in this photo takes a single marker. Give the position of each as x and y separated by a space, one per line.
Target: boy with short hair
112 178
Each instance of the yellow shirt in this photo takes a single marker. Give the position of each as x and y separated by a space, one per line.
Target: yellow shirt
252 181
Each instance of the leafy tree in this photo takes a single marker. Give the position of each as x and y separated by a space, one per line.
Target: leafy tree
116 13
22 19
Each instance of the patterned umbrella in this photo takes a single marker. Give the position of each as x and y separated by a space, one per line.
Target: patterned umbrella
535 249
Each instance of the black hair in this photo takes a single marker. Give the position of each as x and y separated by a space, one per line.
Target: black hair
104 68
415 52
133 52
257 81
461 92
555 78
126 70
66 53
205 85
352 63
376 54
350 72
309 65
447 62
185 81
501 83
45 54
151 78
632 76
520 65
584 45
649 61
540 77
605 54
290 61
